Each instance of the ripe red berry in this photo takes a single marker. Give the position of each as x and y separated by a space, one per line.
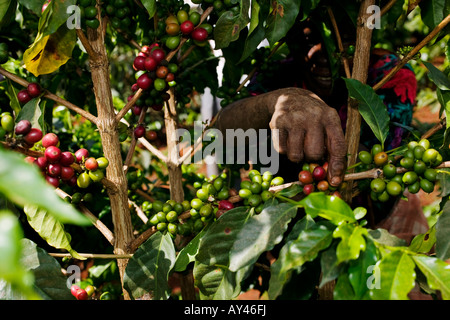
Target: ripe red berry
144 81
67 173
139 63
52 180
139 131
53 154
23 96
23 127
187 27
225 205
33 136
54 170
67 158
72 182
41 162
50 139
82 294
91 164
34 90
74 289
150 64
308 189
319 173
170 77
81 154
305 177
137 110
158 54
134 87
199 34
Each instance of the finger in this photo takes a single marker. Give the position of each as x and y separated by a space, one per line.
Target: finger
337 149
295 143
314 145
279 139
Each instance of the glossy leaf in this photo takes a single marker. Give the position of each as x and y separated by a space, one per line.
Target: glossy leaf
331 208
229 26
35 5
359 270
396 277
150 5
383 237
261 233
50 229
281 19
343 289
442 227
330 267
437 273
432 12
7 10
148 270
307 246
23 184
50 283
211 273
371 107
188 253
424 242
437 76
352 241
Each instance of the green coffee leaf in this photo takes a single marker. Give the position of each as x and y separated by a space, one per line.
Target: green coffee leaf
281 19
306 247
437 273
148 270
331 208
371 107
50 283
211 273
442 227
150 5
261 233
50 229
188 253
352 241
229 26
396 277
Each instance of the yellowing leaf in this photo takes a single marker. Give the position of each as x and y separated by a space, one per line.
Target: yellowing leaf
48 53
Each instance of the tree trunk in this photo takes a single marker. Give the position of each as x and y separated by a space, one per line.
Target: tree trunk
107 126
360 71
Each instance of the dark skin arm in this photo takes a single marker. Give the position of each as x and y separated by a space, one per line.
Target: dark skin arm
308 129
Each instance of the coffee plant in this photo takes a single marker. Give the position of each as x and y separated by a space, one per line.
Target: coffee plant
90 160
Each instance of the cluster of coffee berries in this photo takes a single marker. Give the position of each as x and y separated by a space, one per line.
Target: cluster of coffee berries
165 217
89 13
184 24
255 191
80 293
26 135
58 166
313 177
4 55
414 170
119 12
157 75
210 203
33 90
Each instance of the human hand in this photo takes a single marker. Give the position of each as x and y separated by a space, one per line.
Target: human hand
305 128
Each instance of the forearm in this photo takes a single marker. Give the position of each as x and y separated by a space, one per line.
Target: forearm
248 113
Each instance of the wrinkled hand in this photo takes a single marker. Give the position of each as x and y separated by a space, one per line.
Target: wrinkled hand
305 128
